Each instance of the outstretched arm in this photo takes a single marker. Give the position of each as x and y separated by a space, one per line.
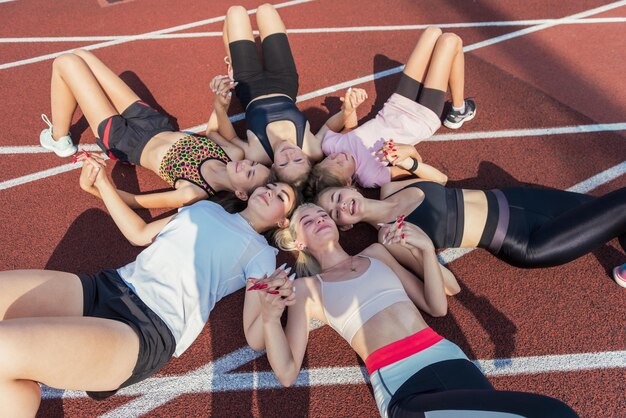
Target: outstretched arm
252 320
221 86
428 295
219 127
286 347
415 263
135 229
346 119
405 160
170 199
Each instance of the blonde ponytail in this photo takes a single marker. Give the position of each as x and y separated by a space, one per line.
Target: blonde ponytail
285 239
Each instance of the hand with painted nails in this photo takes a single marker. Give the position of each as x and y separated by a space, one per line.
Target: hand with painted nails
407 235
398 154
92 173
353 98
276 292
222 85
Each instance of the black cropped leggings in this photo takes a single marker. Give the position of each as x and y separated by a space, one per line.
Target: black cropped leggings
456 388
552 227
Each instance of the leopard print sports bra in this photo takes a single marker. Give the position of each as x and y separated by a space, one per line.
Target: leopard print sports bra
184 159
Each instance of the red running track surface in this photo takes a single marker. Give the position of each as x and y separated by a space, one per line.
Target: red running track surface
568 319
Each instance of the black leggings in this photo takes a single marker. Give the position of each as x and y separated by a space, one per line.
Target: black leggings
456 388
414 90
552 227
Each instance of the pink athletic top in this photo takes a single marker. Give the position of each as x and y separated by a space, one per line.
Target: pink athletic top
403 120
349 304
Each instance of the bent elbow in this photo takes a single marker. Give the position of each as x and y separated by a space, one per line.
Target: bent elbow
256 345
287 381
138 242
439 312
443 180
453 290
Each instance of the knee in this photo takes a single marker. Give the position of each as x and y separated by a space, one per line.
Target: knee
236 11
264 8
450 41
65 61
432 32
83 53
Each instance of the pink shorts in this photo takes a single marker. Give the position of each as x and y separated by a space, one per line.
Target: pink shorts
400 119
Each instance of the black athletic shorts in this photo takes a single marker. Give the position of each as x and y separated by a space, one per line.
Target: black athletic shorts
414 90
123 137
106 295
275 74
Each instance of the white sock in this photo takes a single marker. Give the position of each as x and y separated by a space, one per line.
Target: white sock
459 109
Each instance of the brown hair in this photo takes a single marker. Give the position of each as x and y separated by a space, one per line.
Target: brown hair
321 179
297 181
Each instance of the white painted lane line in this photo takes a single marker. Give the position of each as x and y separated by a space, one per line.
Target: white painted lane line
214 34
451 254
395 70
207 379
518 133
331 89
137 37
38 175
507 133
216 377
36 149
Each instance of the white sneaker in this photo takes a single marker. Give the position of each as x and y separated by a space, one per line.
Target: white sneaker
64 147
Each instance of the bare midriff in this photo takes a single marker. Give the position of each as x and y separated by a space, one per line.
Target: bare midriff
157 147
392 324
475 210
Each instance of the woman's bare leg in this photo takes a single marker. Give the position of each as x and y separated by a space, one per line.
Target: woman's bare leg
237 26
44 338
38 293
269 21
447 67
419 60
73 83
63 352
120 94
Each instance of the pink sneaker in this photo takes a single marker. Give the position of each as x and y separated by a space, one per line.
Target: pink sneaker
619 275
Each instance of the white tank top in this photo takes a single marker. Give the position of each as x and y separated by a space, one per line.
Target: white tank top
203 254
348 304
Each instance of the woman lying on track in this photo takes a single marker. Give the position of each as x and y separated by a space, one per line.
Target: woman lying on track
106 331
372 302
129 130
523 226
278 133
409 116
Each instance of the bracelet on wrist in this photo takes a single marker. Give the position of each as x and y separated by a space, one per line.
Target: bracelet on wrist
414 166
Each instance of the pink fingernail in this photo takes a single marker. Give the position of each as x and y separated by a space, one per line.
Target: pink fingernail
273 292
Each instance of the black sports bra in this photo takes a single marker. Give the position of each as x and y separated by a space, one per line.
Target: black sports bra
440 215
262 112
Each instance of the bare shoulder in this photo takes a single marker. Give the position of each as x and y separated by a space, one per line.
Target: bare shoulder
376 250
309 285
394 187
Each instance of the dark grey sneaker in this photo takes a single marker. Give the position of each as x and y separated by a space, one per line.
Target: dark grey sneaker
455 119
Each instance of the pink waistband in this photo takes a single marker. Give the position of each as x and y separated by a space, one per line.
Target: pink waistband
401 349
